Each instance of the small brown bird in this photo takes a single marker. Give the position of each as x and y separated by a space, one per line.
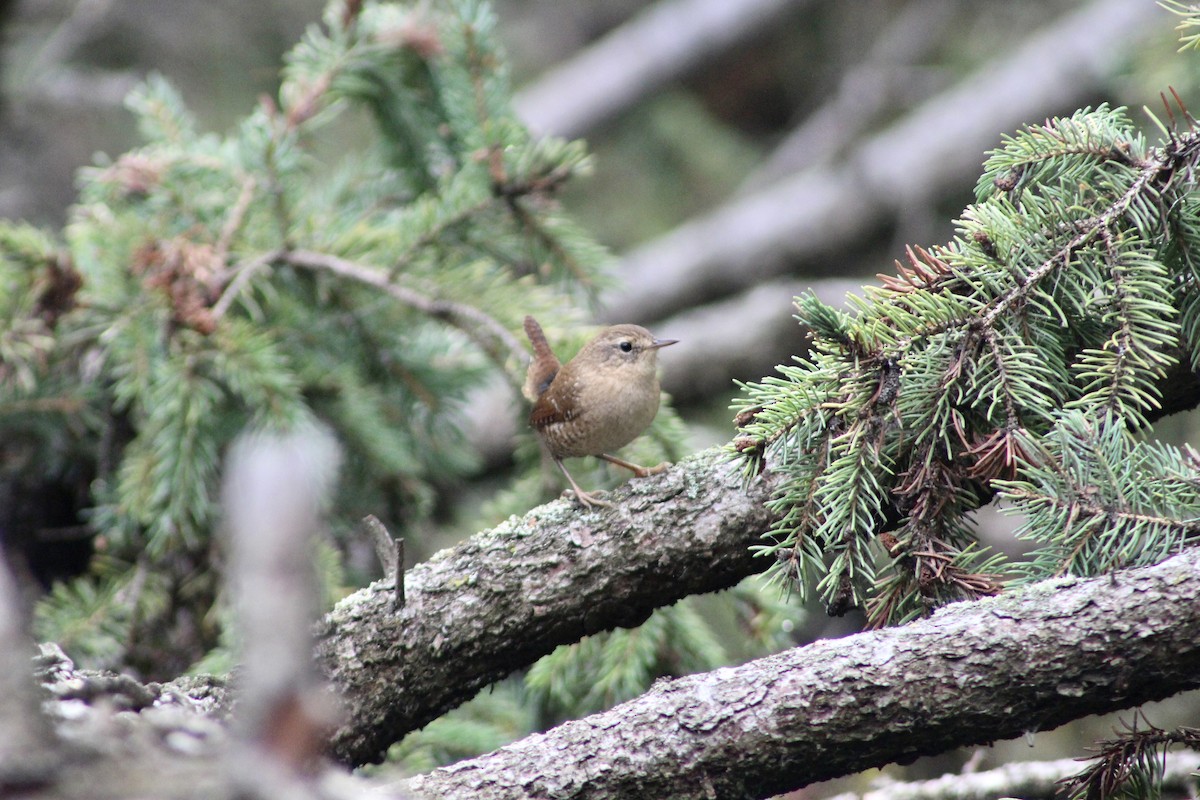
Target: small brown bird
599 401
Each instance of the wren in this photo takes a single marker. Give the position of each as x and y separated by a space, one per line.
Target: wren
599 401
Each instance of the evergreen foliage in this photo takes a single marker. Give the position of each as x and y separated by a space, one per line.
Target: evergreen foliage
1098 500
489 721
1189 21
691 636
206 283
1130 765
1016 357
698 634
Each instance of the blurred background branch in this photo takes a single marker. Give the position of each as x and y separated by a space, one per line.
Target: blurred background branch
818 214
661 44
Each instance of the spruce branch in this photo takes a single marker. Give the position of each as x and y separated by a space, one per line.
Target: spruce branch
212 282
237 217
1189 20
492 337
1096 499
1063 290
242 273
1131 764
803 217
446 215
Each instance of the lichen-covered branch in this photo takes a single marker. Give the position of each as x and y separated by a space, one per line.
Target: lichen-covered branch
973 673
510 595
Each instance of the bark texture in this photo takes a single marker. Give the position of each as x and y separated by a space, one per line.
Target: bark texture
970 674
508 596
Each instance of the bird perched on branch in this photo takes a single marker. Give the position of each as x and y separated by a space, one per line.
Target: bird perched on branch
599 401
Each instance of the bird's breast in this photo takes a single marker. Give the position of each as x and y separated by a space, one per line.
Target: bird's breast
601 416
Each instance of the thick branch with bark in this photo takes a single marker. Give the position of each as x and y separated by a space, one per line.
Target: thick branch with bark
508 596
972 673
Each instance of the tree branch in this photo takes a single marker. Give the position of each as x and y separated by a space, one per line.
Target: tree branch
171 741
973 673
496 340
882 82
637 58
1027 779
508 596
27 757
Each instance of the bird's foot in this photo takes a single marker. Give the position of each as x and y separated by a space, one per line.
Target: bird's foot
638 471
646 472
587 499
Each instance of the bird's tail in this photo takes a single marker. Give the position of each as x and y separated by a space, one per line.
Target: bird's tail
545 364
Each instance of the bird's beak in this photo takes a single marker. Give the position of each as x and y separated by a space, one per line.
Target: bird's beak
662 343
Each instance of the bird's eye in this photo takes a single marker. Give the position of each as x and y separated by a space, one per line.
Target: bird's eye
625 346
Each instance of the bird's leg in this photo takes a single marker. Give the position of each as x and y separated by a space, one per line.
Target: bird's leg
641 472
586 498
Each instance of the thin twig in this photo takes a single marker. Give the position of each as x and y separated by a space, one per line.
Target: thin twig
483 329
237 215
43 405
243 272
390 553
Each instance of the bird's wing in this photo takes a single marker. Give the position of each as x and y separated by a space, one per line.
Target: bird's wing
547 413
